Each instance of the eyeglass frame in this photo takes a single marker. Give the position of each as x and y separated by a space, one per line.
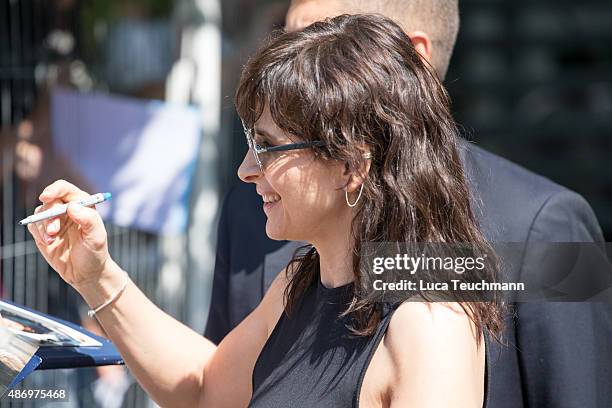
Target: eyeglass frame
257 150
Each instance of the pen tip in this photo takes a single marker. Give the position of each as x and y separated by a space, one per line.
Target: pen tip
108 196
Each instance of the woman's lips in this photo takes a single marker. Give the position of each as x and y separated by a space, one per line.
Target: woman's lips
268 206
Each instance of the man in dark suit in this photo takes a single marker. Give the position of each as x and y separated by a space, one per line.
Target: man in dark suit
556 354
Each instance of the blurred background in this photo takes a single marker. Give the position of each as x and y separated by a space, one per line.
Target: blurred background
136 97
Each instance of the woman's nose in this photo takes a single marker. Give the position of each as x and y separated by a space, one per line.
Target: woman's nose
248 170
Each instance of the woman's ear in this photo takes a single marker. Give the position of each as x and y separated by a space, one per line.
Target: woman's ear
357 178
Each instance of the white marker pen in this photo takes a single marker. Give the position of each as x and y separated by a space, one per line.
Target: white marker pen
54 212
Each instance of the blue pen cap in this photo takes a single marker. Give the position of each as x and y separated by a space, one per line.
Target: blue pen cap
107 196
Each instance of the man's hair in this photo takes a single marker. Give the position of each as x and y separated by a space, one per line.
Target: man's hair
438 18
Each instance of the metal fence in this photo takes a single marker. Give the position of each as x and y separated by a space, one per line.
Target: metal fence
25 57
27 279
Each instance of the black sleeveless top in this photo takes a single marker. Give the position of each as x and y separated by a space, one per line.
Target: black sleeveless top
311 359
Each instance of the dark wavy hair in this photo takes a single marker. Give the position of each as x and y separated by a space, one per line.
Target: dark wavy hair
354 81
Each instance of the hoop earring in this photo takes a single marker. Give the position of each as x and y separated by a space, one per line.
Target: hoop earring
358 197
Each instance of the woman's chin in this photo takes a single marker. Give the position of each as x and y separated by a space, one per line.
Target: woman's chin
273 229
273 233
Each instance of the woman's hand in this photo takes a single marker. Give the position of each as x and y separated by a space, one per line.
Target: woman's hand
74 244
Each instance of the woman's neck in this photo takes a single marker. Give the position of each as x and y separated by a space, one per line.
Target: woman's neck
336 259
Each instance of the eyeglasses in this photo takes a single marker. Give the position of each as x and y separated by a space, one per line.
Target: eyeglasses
263 155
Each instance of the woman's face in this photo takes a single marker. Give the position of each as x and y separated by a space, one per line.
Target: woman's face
303 198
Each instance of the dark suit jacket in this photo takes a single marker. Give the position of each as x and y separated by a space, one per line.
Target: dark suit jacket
557 354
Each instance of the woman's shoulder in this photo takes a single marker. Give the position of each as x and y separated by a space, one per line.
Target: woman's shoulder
424 321
433 327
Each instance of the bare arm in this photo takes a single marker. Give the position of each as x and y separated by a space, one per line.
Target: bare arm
434 357
174 364
166 357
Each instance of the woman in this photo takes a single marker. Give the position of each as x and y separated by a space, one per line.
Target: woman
351 141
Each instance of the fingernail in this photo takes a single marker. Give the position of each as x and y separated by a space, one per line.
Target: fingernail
55 226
